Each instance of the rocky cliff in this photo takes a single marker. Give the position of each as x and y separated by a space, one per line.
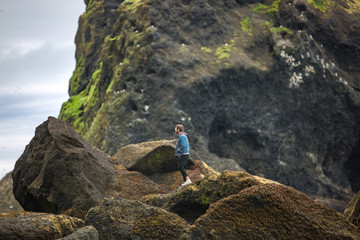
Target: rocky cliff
269 86
7 199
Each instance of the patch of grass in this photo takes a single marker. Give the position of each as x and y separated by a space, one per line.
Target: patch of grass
133 5
246 26
72 111
323 5
354 7
110 39
272 8
206 50
280 29
223 52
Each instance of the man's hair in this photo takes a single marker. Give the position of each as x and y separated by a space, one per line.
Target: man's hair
180 127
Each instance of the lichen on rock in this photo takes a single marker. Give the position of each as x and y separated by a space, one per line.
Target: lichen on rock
271 211
33 226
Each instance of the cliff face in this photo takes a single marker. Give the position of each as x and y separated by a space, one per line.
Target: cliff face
271 86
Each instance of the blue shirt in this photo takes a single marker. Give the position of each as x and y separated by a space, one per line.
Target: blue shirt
182 145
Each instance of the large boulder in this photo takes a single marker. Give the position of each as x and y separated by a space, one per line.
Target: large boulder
271 211
7 199
193 201
150 157
60 172
117 218
156 159
34 226
352 211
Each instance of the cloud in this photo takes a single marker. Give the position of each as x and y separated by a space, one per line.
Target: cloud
37 60
42 65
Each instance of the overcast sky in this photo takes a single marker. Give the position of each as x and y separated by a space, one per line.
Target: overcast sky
36 62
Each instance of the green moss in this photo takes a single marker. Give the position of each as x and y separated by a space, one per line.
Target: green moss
72 111
322 5
110 39
353 7
95 134
133 5
246 26
206 50
280 29
205 199
223 52
155 159
91 8
263 9
126 61
76 77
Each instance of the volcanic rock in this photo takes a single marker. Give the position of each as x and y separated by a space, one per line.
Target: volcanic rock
133 185
193 201
352 211
266 85
117 218
85 233
34 226
156 159
7 199
60 172
271 211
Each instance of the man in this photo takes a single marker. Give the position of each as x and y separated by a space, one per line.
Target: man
182 152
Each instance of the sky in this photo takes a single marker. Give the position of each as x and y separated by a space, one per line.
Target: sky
37 58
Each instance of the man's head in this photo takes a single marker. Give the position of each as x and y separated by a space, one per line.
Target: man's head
179 128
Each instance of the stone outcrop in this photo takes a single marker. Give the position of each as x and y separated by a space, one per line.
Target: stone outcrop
85 233
352 211
271 211
34 226
133 185
156 159
193 201
149 157
136 205
261 85
127 219
7 199
60 172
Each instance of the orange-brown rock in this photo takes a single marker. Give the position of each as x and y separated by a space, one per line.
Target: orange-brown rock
271 211
352 211
156 159
34 226
117 218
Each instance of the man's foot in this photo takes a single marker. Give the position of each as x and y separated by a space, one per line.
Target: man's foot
187 182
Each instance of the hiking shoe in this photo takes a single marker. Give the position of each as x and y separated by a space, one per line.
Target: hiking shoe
187 182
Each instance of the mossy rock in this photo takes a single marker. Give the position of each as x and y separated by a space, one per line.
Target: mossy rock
193 201
352 211
34 226
133 185
117 218
150 157
271 211
156 160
